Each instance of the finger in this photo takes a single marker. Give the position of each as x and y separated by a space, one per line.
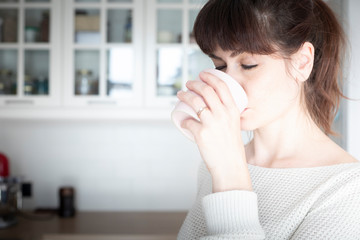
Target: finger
196 102
191 125
208 94
220 87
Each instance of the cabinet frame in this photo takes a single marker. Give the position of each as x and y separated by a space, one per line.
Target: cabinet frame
166 102
102 100
144 105
53 98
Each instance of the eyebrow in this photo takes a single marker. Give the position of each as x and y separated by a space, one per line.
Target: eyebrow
211 55
233 54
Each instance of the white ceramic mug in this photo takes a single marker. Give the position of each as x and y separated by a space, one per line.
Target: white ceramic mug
183 111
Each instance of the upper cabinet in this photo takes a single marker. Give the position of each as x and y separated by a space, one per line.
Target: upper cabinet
29 52
172 50
103 54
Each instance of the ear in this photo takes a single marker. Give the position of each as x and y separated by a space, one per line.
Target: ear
303 61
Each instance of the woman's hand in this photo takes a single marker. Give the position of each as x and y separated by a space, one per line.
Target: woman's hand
218 135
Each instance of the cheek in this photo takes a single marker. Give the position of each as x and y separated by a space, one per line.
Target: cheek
274 88
269 97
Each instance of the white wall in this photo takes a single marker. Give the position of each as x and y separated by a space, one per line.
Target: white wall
112 165
353 81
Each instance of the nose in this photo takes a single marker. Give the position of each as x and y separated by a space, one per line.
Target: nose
236 76
238 92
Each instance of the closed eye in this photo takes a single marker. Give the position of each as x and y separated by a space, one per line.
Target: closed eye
248 67
245 67
220 68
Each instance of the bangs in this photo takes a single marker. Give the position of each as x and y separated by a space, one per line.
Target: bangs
232 26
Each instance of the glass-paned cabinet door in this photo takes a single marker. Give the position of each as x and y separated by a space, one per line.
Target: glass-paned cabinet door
36 78
29 52
86 76
8 72
172 49
120 72
36 28
9 17
104 52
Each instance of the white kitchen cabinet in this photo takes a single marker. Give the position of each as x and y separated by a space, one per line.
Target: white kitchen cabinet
123 58
104 53
29 53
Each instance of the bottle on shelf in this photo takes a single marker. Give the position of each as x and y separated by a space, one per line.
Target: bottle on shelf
28 85
1 33
6 82
9 27
2 86
41 85
44 27
128 28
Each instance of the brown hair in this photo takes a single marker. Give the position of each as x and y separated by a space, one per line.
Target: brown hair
281 26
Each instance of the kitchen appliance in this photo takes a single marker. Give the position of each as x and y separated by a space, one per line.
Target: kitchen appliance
10 194
10 200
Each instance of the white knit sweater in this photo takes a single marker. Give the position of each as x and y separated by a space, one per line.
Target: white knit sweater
288 203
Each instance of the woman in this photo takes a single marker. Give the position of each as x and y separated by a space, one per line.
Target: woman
291 181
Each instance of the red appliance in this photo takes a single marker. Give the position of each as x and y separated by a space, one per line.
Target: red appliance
4 166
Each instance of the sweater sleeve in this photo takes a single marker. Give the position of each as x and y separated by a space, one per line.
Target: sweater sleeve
232 215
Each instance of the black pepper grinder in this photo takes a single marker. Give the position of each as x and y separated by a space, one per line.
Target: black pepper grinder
66 197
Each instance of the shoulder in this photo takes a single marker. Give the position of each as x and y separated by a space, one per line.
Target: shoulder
332 154
341 156
327 152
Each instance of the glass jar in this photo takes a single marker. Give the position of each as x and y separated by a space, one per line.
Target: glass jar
83 84
31 34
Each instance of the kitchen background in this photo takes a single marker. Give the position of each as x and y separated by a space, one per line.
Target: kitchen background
86 92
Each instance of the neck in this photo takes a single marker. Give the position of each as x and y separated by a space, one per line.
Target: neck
285 142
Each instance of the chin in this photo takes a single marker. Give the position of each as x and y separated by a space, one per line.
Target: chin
248 123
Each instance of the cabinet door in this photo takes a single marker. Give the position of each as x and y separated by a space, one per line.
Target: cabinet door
172 53
29 53
103 62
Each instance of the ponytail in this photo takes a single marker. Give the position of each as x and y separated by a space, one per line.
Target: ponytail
322 89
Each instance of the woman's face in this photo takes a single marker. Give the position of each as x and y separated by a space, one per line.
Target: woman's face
271 90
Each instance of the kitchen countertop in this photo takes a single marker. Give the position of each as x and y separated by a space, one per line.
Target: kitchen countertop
97 225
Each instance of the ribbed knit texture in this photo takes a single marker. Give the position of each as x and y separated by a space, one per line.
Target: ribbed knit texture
288 203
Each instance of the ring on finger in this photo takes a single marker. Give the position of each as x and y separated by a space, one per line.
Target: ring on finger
198 113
